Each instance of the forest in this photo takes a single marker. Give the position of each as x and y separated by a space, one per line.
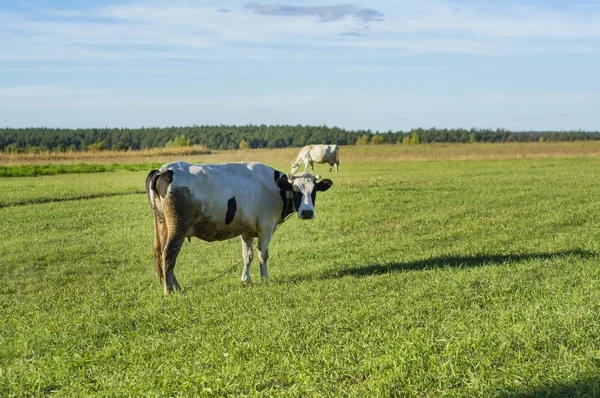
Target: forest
33 139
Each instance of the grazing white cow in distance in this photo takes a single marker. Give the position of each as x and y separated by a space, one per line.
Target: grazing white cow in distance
221 201
317 154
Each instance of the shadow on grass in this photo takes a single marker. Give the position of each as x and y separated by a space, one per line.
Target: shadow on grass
441 262
586 387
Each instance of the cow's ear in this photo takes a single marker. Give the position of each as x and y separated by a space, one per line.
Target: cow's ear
324 185
283 183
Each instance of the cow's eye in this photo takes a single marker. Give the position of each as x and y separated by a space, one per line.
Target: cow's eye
296 188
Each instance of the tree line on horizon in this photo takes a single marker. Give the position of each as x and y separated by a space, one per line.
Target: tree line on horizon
35 139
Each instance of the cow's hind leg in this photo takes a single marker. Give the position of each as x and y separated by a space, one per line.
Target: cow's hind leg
248 254
169 256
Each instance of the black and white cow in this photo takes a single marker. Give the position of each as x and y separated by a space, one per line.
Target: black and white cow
221 201
311 154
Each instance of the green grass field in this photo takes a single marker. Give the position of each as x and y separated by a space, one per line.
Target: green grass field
428 278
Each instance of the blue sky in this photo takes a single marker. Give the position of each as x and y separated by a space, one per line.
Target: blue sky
378 64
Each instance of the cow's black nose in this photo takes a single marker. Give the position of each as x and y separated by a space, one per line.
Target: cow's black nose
307 214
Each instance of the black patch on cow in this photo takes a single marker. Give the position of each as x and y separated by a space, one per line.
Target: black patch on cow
322 185
282 182
162 181
231 208
297 199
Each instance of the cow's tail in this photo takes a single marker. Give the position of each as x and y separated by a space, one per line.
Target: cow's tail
337 154
151 186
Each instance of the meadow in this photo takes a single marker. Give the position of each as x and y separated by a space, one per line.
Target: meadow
430 270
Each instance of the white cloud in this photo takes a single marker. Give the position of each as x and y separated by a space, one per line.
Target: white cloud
502 22
51 91
182 29
183 63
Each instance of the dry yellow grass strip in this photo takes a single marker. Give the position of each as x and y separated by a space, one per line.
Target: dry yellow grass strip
413 153
476 151
100 156
350 154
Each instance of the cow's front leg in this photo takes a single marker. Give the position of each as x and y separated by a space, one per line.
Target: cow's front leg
263 252
248 254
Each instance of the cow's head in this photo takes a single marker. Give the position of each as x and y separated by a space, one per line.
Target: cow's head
302 190
295 167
